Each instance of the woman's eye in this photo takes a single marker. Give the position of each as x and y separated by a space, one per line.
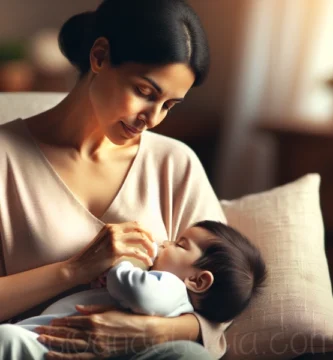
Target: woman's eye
145 91
148 93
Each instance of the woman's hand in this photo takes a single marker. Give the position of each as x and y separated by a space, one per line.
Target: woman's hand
111 243
99 333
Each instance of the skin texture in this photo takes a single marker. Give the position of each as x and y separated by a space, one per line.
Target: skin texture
102 332
95 333
111 243
88 135
99 124
178 258
130 94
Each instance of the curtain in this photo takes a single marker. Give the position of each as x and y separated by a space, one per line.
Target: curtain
280 66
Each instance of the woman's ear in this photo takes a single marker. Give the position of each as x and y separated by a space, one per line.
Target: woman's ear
200 282
100 52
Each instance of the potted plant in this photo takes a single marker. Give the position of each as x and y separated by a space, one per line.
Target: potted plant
16 73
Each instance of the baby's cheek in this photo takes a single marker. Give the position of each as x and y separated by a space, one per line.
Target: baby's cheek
159 263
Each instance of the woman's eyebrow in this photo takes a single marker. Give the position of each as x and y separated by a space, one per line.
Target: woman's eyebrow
158 88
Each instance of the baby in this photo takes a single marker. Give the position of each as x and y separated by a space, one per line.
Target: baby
211 269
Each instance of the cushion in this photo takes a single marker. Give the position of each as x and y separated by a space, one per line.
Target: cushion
294 313
24 104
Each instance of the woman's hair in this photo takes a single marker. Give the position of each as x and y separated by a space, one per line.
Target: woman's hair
237 266
156 32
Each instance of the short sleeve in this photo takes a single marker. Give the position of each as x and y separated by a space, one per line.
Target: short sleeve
195 199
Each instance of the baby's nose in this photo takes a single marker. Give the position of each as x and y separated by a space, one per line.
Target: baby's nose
166 243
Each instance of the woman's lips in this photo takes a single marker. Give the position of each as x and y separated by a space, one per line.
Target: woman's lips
132 131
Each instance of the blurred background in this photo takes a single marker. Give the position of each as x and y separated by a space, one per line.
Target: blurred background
264 116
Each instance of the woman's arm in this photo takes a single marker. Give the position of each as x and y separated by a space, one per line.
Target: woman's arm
114 332
22 291
184 327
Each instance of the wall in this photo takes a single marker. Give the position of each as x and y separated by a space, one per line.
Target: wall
30 16
224 23
23 18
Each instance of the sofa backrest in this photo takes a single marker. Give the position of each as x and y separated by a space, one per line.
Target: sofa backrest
25 104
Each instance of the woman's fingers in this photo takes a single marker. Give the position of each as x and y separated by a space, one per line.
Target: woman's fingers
70 348
77 322
138 238
97 336
135 226
137 254
135 239
75 341
64 344
62 330
139 228
130 233
97 346
94 309
107 247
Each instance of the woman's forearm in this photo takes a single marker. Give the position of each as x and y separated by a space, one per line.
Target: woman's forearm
22 291
184 327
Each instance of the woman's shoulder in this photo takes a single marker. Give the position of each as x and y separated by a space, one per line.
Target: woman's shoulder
10 129
165 146
13 137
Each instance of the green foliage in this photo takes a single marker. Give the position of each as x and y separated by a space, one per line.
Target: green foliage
12 50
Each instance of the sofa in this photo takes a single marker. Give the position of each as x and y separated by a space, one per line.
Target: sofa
293 317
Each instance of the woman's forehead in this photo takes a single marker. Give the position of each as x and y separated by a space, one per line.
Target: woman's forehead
178 77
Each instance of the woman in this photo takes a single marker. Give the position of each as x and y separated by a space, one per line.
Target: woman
87 166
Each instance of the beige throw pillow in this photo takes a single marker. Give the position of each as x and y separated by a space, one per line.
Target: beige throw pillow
294 314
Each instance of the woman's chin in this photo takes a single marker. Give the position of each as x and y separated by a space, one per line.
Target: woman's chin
119 140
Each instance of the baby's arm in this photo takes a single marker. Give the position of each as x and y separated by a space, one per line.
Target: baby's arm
148 292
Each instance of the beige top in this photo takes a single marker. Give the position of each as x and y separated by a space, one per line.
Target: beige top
41 220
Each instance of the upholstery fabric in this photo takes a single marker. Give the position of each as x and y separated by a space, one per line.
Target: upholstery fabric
16 105
294 313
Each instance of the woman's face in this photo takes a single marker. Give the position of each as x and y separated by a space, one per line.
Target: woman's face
131 98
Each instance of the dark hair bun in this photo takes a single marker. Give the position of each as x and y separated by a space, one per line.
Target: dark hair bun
76 38
155 32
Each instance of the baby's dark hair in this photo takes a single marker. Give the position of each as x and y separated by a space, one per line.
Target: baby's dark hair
152 32
238 268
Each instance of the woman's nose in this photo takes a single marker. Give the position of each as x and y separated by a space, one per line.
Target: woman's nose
154 117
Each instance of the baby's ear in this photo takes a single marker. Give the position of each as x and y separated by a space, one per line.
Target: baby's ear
199 282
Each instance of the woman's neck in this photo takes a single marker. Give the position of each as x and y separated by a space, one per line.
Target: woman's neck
72 124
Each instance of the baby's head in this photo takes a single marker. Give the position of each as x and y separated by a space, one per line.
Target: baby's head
220 267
